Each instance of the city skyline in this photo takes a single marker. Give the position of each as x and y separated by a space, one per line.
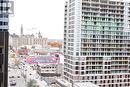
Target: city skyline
39 17
65 43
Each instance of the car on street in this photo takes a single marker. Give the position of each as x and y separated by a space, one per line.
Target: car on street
11 76
18 76
12 82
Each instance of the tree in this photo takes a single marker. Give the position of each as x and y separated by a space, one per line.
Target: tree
17 62
32 83
24 76
55 44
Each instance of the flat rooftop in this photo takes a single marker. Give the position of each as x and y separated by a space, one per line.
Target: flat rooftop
85 84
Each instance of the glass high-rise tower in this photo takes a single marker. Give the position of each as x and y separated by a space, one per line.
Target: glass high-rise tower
4 19
97 42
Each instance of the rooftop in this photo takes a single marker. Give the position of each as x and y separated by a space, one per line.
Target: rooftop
85 84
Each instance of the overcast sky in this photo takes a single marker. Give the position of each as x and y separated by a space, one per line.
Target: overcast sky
46 16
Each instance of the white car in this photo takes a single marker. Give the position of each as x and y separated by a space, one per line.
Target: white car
12 82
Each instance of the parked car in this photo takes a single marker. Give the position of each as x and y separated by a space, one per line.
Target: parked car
11 76
18 76
12 82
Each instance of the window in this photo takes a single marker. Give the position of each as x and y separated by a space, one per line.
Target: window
82 73
5 23
82 63
77 54
1 22
0 68
76 72
77 67
77 63
82 68
1 50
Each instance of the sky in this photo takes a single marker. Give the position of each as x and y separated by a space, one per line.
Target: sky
46 16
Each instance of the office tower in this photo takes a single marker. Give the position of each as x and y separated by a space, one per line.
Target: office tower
97 42
4 43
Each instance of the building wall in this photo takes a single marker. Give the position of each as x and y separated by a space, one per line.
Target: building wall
50 70
4 58
96 42
4 19
23 40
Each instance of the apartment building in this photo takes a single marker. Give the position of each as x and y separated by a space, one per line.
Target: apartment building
97 42
4 19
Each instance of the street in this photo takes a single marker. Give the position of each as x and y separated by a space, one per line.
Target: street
21 74
15 75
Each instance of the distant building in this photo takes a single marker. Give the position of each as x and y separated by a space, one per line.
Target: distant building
65 83
22 51
50 70
38 52
14 40
84 84
47 66
54 50
22 40
62 83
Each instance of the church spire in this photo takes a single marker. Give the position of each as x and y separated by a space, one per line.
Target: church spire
39 34
21 30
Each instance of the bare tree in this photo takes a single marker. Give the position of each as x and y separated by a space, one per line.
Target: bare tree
32 83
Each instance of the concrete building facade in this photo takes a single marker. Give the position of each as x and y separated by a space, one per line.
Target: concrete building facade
22 40
97 42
